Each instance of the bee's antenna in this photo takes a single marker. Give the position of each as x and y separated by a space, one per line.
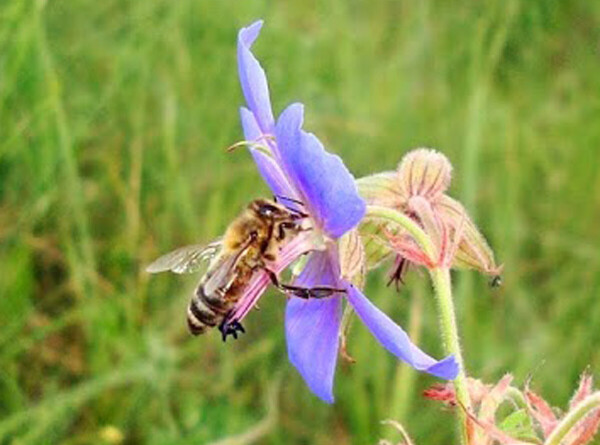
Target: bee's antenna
285 198
296 212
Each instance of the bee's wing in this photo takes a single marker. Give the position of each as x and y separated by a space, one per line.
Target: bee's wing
222 272
186 259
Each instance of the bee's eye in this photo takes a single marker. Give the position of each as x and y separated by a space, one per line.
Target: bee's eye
266 210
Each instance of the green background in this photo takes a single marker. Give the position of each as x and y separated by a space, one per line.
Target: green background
114 119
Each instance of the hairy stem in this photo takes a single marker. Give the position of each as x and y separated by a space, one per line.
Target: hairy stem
391 215
440 277
573 418
443 290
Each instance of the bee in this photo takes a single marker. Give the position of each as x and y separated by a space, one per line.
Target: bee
250 242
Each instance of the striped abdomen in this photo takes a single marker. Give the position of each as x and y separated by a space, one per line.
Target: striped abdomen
206 311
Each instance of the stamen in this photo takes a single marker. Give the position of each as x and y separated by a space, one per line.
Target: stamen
253 144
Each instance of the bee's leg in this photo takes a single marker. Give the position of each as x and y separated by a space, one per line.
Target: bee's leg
230 328
311 292
302 292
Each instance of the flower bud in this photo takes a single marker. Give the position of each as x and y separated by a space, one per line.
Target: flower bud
424 172
382 189
417 189
352 258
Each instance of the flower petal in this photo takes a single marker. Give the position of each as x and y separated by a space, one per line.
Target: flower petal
395 340
312 327
473 250
312 332
267 167
322 178
322 269
250 126
253 78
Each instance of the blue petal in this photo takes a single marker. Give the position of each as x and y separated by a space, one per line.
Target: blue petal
395 340
312 328
321 269
253 78
250 126
322 178
268 168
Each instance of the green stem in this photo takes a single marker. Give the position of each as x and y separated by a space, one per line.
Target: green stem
566 425
443 291
408 224
440 277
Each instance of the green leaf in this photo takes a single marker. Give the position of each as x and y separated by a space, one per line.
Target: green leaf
518 424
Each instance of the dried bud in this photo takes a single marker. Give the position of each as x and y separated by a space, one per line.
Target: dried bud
382 189
424 172
586 386
473 250
352 258
445 392
541 411
536 423
417 189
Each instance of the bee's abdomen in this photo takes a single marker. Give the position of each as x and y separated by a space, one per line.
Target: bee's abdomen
205 312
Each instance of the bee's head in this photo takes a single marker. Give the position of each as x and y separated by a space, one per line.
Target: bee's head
276 212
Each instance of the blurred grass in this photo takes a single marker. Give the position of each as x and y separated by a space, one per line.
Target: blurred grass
114 117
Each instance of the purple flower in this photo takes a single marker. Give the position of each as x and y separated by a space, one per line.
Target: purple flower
295 165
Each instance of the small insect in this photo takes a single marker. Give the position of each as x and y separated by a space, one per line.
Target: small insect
251 241
496 281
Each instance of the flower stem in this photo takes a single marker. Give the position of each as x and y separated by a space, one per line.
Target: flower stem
566 425
443 290
420 236
440 277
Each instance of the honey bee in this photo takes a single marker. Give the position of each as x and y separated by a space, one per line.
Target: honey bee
251 241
